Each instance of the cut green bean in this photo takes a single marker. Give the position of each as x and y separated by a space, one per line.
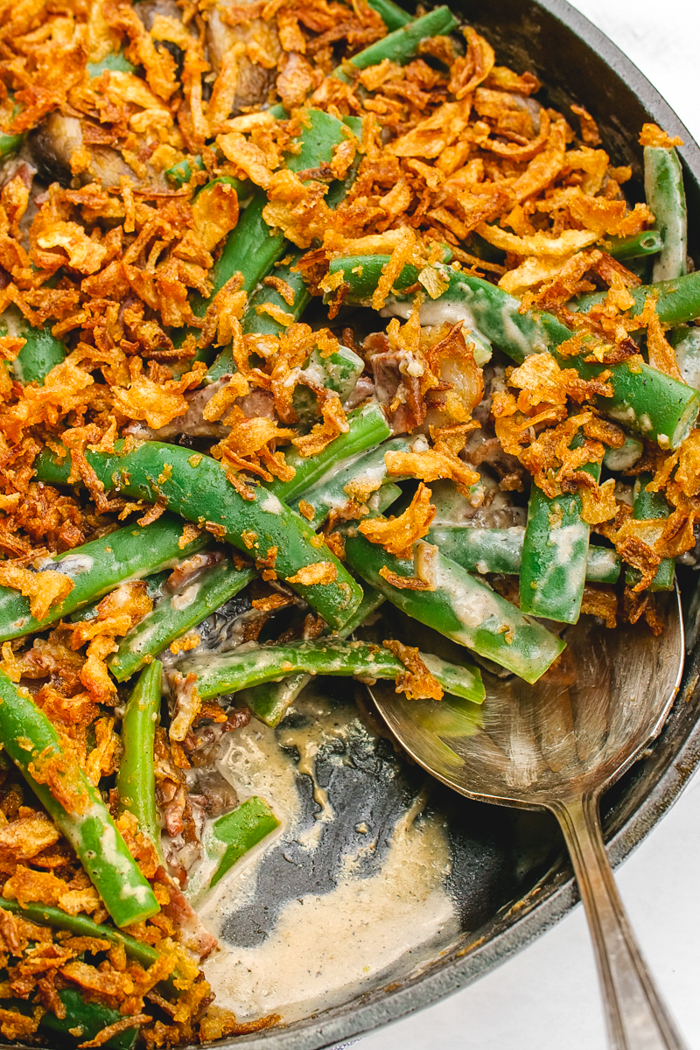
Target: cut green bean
362 475
269 701
153 583
235 833
34 746
677 301
393 16
196 487
10 144
459 606
136 778
262 306
176 614
84 1019
41 352
242 187
262 314
648 242
644 399
686 343
367 427
501 550
99 566
663 187
403 43
651 506
338 372
114 61
252 247
182 172
268 312
82 926
555 554
241 669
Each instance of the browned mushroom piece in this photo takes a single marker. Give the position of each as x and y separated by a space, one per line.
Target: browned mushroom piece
54 142
248 50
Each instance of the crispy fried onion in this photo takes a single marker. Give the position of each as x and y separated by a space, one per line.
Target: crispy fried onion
398 534
416 681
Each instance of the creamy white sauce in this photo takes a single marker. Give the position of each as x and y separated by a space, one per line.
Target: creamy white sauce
618 459
74 564
270 504
444 310
325 949
185 598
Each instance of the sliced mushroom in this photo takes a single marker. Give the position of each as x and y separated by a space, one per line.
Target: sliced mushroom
253 81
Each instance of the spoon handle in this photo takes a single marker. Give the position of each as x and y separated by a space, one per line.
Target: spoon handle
637 1018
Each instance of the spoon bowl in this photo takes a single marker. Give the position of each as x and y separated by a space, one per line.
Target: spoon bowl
558 745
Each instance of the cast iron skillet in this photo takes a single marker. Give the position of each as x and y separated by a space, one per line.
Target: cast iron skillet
512 879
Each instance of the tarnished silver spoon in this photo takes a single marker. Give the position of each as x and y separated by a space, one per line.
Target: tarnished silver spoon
558 745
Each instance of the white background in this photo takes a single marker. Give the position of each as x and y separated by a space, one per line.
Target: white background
546 998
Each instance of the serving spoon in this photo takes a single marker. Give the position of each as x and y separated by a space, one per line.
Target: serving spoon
558 745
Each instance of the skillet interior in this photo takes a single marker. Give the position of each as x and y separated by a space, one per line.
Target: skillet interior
511 878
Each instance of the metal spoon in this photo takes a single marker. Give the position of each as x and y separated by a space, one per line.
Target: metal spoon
558 745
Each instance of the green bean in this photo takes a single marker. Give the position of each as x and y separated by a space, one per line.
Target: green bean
393 16
182 172
136 778
663 186
458 606
41 352
338 372
197 488
686 343
99 566
677 301
34 746
367 427
39 355
240 669
555 554
81 926
115 61
269 701
403 43
167 622
153 584
235 833
257 318
84 1019
650 506
252 247
10 144
648 242
363 474
644 399
501 550
242 187
177 614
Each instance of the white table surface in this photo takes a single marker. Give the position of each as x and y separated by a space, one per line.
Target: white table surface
546 997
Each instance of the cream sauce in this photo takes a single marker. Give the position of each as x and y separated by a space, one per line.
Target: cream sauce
325 948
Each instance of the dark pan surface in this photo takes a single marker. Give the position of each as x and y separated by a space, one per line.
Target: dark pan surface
510 879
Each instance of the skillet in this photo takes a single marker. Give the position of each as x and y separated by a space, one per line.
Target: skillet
510 879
